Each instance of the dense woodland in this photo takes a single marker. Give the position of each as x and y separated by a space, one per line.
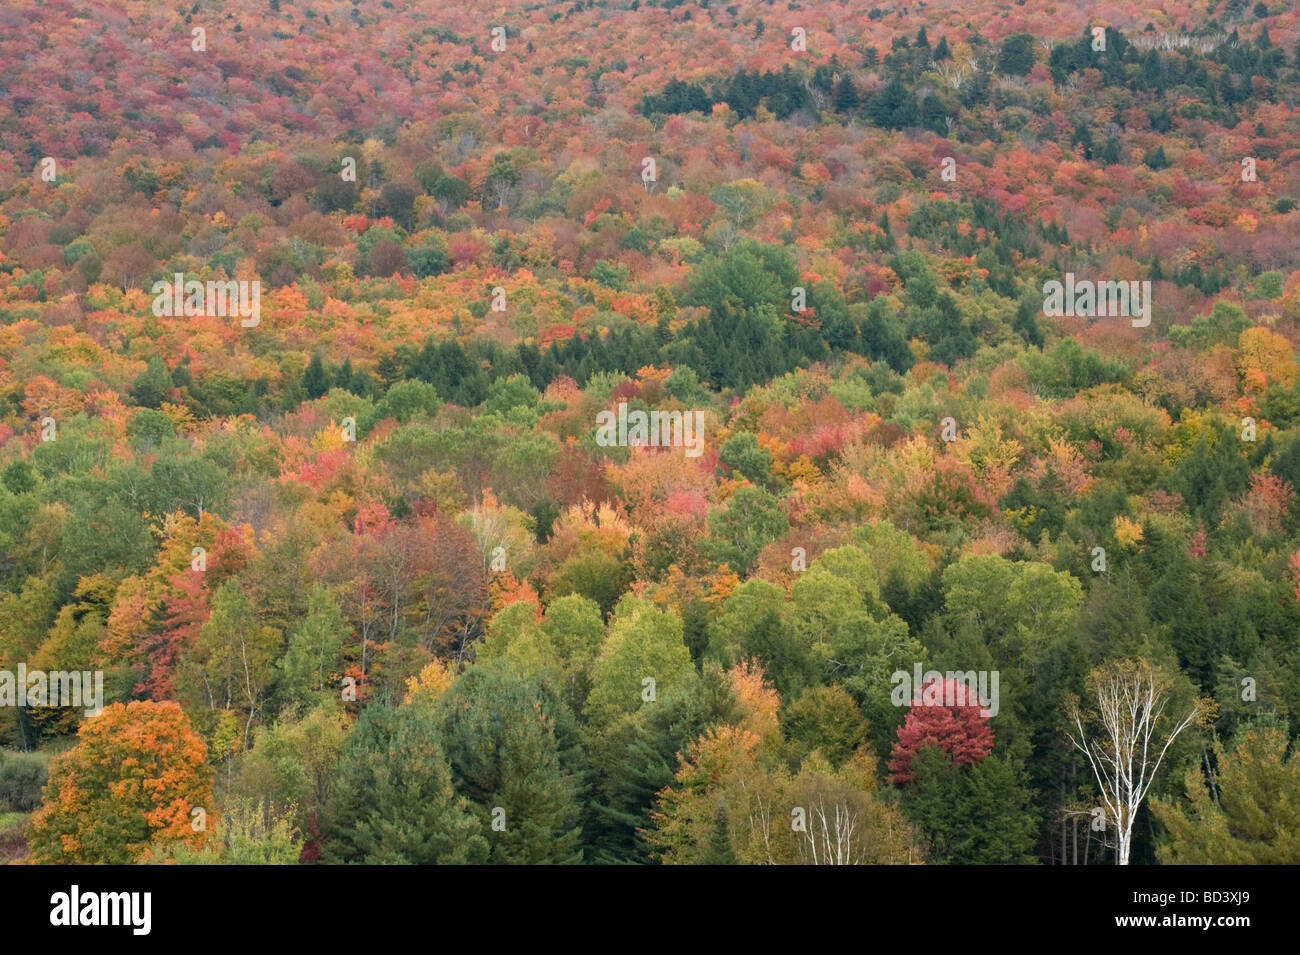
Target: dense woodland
365 586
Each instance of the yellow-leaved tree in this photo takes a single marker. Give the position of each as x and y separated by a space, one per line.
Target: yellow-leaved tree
135 777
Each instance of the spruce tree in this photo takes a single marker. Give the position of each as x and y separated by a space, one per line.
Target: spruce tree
507 759
974 815
315 380
718 850
846 96
393 802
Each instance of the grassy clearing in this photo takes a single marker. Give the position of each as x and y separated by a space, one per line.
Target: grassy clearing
13 841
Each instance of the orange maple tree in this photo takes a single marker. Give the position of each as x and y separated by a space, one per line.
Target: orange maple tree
135 777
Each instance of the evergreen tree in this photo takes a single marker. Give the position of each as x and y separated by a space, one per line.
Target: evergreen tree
1083 137
393 801
893 107
846 96
506 757
1247 812
1016 58
636 759
934 115
153 385
976 815
344 378
718 850
316 380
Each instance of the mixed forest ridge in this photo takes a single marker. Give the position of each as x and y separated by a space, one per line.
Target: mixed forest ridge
670 432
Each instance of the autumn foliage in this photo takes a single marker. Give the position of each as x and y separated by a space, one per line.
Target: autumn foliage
265 536
134 778
945 714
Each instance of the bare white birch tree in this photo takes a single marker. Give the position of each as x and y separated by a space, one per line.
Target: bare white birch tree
1126 751
832 836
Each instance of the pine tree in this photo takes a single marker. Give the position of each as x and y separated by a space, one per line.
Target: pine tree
975 815
1016 58
344 378
934 115
718 851
893 107
393 801
153 385
636 759
846 96
501 737
315 380
1247 813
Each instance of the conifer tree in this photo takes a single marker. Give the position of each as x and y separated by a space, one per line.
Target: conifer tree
393 801
1247 812
509 761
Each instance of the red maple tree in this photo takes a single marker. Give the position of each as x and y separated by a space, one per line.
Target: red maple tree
953 723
